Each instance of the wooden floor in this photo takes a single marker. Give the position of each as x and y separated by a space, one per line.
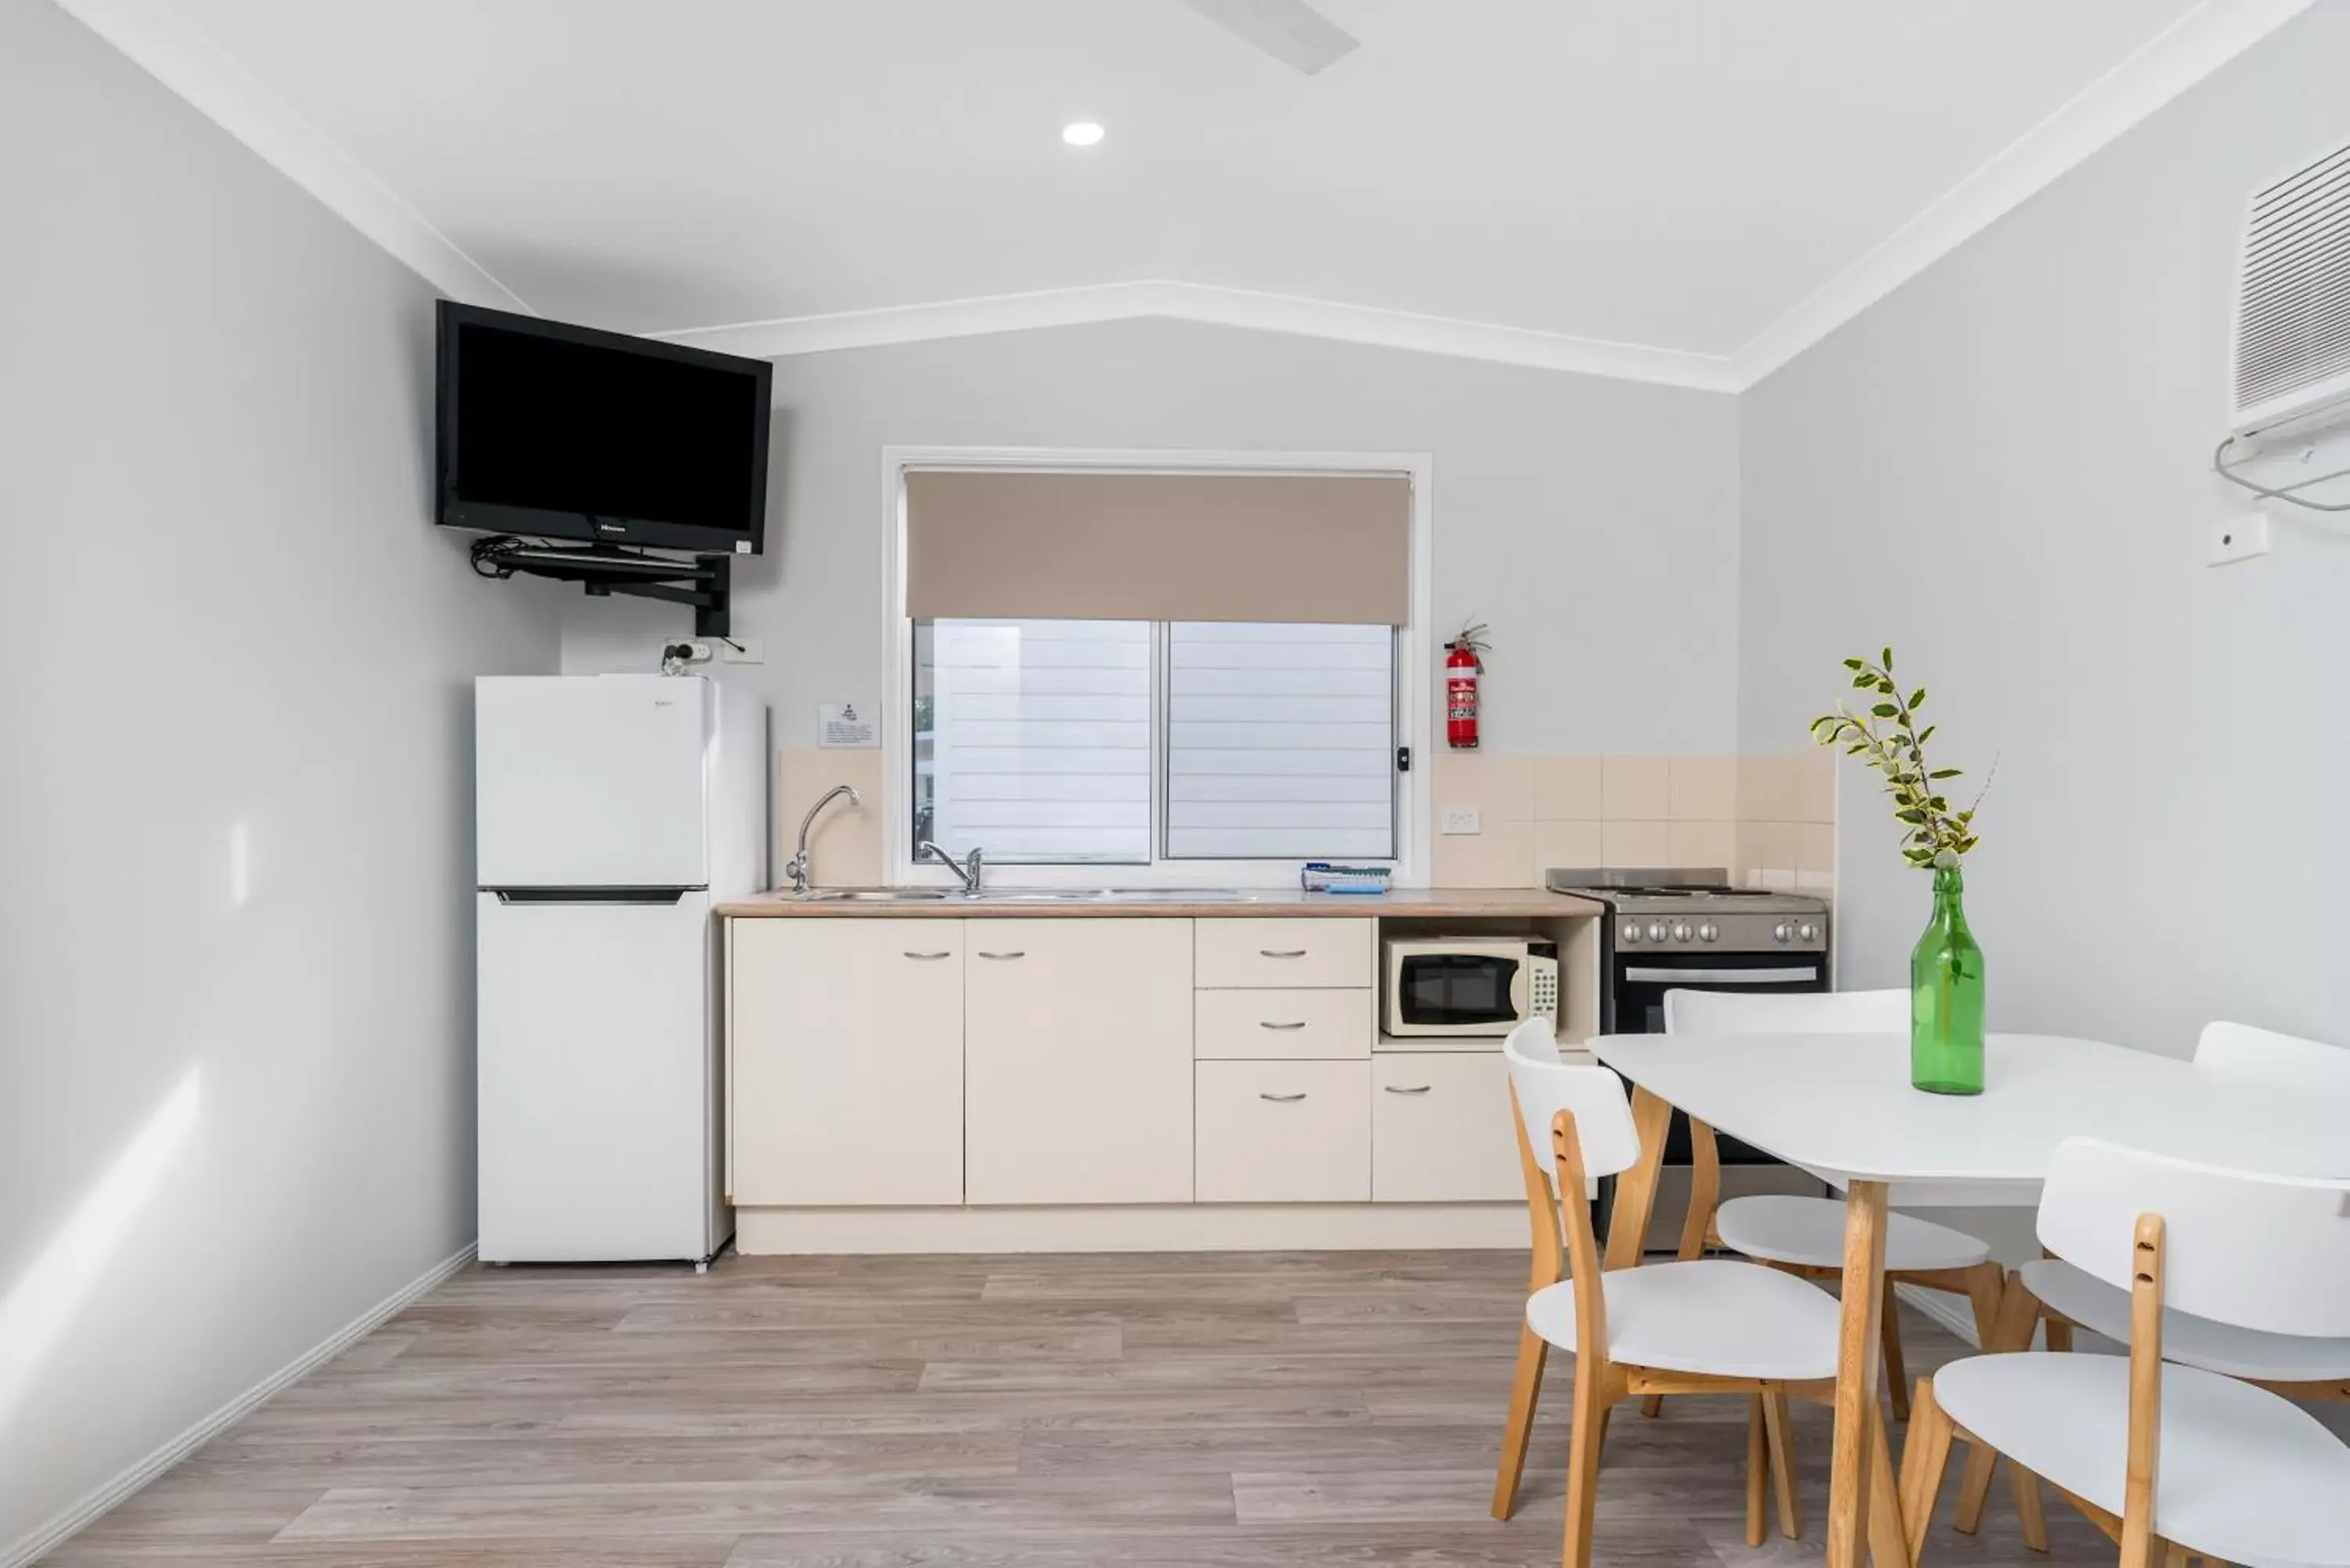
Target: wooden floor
1229 1410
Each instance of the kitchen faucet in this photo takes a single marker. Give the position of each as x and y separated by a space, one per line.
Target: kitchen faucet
968 872
798 870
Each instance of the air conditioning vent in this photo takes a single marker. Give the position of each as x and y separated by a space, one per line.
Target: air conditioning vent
2293 302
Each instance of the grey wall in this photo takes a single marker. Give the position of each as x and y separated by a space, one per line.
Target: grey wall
235 985
2002 469
1567 511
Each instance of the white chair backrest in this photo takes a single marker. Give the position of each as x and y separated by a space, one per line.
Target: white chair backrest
2280 1061
1545 1086
2270 1253
1800 1012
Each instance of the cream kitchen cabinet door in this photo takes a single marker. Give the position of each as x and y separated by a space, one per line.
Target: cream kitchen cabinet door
1077 1061
846 1048
1441 1128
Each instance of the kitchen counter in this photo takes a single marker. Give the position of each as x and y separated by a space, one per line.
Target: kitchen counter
1506 903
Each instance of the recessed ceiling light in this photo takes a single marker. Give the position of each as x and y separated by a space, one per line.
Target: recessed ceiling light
1081 133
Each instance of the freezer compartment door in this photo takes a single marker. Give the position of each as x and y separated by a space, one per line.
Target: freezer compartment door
598 1065
591 781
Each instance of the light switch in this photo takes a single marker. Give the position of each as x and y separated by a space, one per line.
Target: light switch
1464 819
2239 536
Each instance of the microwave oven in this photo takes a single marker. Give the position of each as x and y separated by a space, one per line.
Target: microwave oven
1466 985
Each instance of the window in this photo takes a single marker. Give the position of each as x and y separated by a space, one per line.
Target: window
1129 743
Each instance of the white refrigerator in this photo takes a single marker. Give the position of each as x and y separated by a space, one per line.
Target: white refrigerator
612 812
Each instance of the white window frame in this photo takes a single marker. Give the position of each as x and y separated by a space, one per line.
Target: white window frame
1415 718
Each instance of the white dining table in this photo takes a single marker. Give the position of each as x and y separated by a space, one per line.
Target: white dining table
1840 1108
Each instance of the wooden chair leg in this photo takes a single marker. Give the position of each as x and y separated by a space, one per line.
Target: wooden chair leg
1783 1462
1525 1390
1888 1542
1583 1460
1697 1222
1925 1455
1758 1469
2009 1329
1897 1376
2060 1334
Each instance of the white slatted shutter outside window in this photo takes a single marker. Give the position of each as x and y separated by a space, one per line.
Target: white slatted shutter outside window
1280 742
1040 750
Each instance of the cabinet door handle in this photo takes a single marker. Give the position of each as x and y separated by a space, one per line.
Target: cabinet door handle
927 958
1269 1024
1283 1099
1281 952
1400 1089
1017 953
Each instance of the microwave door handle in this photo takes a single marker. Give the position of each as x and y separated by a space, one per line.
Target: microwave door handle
1521 986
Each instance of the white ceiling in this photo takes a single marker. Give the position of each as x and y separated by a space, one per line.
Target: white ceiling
1680 174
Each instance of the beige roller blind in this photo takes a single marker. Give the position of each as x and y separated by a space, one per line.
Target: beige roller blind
1159 546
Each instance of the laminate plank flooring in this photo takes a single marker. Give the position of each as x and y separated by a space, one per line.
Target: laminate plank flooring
1219 1410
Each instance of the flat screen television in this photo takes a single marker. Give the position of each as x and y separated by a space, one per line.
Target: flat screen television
566 432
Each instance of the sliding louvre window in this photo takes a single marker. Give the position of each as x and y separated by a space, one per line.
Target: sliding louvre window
1032 739
1280 742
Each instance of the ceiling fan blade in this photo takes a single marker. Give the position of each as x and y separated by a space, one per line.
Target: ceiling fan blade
1291 31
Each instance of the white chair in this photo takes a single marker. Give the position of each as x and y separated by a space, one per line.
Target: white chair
1709 1326
1807 1234
2168 1459
2294 1365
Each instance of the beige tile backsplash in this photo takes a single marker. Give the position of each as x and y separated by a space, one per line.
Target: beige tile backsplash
1769 819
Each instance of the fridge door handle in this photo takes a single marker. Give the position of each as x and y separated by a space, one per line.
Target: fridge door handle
591 894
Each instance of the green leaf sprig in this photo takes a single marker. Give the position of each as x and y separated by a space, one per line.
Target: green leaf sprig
1888 737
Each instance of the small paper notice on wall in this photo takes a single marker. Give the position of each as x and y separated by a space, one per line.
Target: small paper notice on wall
845 725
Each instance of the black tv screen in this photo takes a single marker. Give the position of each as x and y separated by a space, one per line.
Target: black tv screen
566 432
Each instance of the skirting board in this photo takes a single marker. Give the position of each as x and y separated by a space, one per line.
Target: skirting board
1170 1228
47 1537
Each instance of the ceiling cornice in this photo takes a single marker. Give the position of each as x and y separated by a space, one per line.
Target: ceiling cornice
174 53
2160 69
160 41
1223 307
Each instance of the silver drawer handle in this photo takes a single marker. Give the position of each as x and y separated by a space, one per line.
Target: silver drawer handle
1399 1089
1269 1024
1281 952
1283 1099
1018 953
926 957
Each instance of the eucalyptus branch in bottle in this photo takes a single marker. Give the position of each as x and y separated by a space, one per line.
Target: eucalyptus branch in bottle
1888 736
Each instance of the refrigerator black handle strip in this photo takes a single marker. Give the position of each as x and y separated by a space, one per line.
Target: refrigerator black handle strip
590 895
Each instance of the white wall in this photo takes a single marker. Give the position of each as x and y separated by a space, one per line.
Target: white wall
236 1090
2002 469
1569 512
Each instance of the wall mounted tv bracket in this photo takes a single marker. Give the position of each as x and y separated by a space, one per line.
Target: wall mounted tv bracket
702 581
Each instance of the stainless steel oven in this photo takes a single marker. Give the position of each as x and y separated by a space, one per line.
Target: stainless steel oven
1690 930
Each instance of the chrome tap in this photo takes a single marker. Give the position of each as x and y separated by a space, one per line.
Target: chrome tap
967 871
798 870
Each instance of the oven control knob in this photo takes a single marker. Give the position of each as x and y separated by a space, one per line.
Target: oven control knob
1656 930
1681 932
1808 932
1782 932
1631 930
1709 932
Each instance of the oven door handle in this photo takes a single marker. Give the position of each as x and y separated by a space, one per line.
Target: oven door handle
1721 976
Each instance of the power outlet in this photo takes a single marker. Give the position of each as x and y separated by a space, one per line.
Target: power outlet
699 650
2239 536
741 651
1461 819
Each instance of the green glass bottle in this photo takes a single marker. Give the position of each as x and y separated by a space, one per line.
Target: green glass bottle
1946 996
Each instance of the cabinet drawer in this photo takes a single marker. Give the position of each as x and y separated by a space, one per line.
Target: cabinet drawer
1287 1025
1310 952
1441 1128
1284 1132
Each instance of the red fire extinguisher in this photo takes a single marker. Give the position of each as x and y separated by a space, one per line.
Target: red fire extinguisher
1462 665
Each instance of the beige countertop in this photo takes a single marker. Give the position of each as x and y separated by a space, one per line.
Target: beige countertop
1509 903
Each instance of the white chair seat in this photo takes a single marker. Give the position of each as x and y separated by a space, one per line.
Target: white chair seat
2245 1475
1809 1231
2196 1341
1716 1317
